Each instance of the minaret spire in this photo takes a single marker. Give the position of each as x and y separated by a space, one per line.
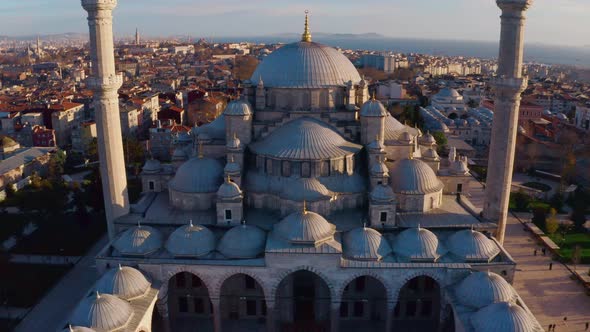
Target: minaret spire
105 83
136 36
508 85
306 37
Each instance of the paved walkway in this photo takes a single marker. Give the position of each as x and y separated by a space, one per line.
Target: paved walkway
550 295
55 308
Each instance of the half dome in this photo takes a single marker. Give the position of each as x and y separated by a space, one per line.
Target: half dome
305 227
305 139
152 166
241 242
418 244
139 241
505 317
198 175
306 65
382 193
414 177
191 241
365 244
471 245
481 289
102 312
124 282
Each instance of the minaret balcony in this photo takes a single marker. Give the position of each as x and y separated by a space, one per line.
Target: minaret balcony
113 82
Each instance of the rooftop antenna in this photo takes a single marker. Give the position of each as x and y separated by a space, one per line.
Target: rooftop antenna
306 37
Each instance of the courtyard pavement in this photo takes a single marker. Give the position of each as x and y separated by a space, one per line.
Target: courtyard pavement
550 295
57 305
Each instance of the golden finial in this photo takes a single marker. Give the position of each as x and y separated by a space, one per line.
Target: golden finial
304 207
235 136
306 37
200 150
231 158
228 179
411 156
373 98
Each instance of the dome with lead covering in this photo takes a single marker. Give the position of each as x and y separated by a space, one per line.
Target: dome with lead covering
243 241
427 139
418 244
124 282
365 244
382 193
152 166
505 317
238 107
480 289
198 175
191 241
305 65
305 139
373 108
471 245
300 189
139 241
229 190
414 177
459 167
305 227
448 93
430 154
102 312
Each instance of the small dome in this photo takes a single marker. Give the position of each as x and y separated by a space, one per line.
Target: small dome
470 245
562 117
413 176
244 241
430 154
102 312
505 317
418 244
365 244
406 137
139 240
179 154
229 190
547 112
152 166
448 93
373 108
427 139
232 167
238 107
459 167
124 282
234 143
305 227
198 175
480 289
191 241
380 169
382 193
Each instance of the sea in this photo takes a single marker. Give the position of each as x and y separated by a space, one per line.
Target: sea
538 53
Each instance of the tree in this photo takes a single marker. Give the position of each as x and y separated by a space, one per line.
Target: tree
539 217
551 224
578 215
92 150
55 166
577 255
557 201
441 139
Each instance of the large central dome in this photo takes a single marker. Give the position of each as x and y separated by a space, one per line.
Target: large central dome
306 65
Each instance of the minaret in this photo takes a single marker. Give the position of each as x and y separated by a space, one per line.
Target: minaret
105 83
508 85
136 36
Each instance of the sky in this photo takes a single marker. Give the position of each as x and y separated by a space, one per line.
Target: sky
554 22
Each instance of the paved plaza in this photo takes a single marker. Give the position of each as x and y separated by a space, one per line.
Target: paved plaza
550 295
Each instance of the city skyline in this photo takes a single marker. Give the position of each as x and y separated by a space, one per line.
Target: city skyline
547 24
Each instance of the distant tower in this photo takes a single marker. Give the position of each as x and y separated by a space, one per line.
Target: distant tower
508 85
38 46
105 83
136 36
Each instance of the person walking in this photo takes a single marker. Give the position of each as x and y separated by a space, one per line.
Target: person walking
544 250
550 266
587 326
535 252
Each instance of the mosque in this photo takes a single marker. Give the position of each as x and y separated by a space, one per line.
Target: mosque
304 207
